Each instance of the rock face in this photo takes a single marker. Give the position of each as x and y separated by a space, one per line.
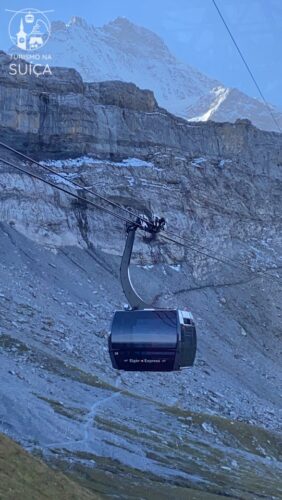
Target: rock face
60 115
219 186
124 51
123 95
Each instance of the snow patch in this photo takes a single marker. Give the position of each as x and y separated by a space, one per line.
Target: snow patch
176 267
221 94
64 178
198 162
88 160
135 162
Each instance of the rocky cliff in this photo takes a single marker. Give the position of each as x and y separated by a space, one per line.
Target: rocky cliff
219 186
61 115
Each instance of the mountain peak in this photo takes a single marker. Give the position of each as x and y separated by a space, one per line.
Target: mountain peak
124 25
131 35
78 21
122 21
123 50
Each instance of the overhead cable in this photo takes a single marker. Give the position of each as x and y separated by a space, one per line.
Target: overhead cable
247 66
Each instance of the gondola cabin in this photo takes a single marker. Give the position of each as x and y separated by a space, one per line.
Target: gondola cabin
29 18
152 340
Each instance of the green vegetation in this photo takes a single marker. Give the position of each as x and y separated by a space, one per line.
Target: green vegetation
72 413
23 477
233 434
52 364
111 479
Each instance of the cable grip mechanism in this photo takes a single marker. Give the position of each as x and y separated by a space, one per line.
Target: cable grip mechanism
153 226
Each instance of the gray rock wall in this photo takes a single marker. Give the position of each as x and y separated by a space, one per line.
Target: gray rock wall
59 115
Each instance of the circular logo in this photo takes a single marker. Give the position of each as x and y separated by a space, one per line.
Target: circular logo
29 29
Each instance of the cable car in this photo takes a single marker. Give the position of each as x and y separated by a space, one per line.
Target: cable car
146 339
29 18
152 340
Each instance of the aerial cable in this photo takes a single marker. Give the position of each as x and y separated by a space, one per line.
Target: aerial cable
113 203
120 217
77 196
246 65
169 236
117 205
76 184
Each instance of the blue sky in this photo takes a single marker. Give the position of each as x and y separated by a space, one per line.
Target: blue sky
193 31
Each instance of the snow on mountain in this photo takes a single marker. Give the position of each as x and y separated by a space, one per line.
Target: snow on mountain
227 104
124 51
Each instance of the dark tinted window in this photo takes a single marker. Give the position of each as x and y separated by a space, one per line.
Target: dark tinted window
145 327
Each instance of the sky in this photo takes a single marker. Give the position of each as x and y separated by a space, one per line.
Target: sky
193 31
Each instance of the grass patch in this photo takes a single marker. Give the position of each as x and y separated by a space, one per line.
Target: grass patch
66 411
232 433
8 343
26 478
112 479
53 364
